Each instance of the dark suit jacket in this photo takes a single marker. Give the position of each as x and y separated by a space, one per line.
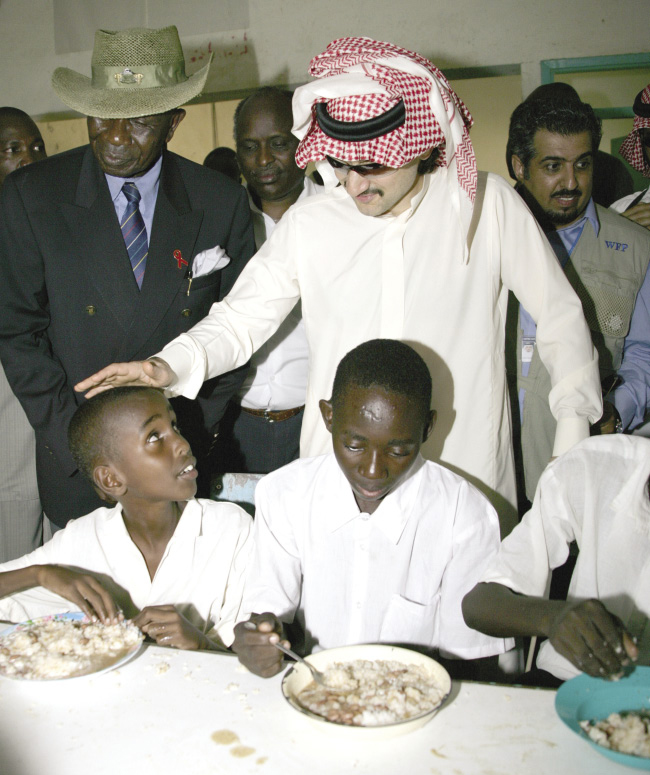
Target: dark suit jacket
70 303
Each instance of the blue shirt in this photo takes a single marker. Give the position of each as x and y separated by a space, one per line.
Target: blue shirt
147 186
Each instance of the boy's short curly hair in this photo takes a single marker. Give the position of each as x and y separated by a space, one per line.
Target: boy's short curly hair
91 437
387 364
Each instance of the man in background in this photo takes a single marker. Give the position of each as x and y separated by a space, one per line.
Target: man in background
21 516
635 149
224 160
261 429
109 249
552 143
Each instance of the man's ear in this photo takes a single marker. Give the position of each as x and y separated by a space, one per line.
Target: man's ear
518 168
108 482
326 412
179 115
433 415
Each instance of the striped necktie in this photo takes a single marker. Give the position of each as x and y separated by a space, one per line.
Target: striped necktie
134 232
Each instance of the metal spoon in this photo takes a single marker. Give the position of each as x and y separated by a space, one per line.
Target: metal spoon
316 674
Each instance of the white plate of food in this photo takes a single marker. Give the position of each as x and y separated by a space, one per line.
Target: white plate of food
62 646
373 690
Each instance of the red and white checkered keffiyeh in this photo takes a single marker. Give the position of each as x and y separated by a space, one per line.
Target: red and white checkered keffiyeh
632 148
360 78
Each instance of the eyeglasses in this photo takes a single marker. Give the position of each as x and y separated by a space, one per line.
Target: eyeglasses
365 170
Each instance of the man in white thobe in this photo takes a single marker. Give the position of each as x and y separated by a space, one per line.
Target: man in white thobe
408 242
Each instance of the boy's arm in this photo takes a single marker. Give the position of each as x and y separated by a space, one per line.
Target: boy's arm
585 633
79 588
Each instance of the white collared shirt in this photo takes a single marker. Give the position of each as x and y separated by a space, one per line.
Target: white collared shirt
277 378
201 570
596 495
398 575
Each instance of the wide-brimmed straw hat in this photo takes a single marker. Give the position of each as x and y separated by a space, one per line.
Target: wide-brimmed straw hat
135 72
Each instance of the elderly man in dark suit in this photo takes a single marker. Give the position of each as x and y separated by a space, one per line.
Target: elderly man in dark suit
110 250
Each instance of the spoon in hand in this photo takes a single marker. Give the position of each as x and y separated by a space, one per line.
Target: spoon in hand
316 674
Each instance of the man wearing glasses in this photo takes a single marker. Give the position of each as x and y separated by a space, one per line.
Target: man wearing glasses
407 243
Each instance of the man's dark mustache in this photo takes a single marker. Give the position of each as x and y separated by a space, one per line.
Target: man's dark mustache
565 193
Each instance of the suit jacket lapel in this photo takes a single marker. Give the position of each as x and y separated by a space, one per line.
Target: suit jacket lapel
175 228
103 260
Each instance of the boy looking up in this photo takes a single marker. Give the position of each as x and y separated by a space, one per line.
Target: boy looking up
170 562
370 543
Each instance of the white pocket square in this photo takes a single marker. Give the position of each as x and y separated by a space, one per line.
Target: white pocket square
208 261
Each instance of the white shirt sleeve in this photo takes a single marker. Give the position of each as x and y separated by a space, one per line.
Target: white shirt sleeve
262 297
475 542
274 579
531 270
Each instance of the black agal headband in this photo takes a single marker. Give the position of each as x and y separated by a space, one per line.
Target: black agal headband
640 108
358 131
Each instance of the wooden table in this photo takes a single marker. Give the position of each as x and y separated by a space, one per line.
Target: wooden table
184 712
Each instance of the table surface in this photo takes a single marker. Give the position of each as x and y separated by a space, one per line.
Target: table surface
183 712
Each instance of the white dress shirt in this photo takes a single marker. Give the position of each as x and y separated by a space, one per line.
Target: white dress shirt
395 576
404 277
277 378
622 204
201 571
597 495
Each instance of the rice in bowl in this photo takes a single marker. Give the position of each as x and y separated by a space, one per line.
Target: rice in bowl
371 690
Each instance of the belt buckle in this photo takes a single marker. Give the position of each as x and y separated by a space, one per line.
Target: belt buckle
267 416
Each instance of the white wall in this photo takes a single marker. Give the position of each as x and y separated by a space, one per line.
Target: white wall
284 34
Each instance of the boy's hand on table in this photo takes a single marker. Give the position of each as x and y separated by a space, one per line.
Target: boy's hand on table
82 590
154 373
254 644
592 638
165 625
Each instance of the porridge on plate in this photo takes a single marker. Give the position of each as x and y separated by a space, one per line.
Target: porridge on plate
65 646
372 693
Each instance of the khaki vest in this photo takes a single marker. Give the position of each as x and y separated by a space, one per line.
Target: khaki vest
606 272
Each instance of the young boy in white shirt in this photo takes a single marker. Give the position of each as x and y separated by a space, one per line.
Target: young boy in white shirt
597 494
170 562
371 543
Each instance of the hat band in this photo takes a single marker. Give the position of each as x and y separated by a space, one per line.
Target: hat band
142 76
359 131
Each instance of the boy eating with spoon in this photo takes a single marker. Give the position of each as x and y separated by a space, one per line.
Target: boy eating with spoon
371 543
170 562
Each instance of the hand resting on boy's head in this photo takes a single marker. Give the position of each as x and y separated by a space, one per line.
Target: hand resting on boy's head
592 638
255 644
153 372
165 625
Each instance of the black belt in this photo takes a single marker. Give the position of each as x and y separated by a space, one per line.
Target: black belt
271 416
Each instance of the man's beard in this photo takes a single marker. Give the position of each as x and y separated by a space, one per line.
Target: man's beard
562 218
